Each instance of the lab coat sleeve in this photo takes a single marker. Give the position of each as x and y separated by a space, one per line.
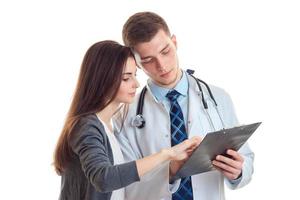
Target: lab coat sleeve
247 169
231 120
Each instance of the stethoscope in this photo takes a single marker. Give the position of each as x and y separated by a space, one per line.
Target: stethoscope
139 121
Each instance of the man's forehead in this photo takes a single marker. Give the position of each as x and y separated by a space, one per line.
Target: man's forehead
150 50
154 46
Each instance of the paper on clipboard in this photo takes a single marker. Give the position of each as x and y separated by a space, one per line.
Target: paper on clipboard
213 144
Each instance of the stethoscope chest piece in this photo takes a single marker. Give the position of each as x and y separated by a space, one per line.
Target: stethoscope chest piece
138 121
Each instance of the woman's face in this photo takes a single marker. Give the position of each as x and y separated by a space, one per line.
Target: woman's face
129 83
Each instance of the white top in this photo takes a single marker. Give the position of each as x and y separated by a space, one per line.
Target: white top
118 159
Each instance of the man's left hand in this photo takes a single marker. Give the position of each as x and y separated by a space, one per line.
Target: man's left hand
231 166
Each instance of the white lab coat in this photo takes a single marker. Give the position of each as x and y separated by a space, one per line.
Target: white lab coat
137 143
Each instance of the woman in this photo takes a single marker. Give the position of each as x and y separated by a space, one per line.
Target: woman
87 155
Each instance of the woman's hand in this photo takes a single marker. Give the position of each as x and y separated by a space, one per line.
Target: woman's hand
184 149
181 152
177 153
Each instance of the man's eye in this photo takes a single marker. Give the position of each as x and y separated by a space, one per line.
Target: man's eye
165 52
148 60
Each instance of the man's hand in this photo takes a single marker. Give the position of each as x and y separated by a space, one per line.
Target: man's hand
230 167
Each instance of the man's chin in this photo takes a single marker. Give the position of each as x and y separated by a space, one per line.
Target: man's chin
166 83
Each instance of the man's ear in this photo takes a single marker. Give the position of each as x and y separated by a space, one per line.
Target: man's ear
173 38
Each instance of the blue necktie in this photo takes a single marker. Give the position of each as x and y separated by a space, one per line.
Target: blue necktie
178 134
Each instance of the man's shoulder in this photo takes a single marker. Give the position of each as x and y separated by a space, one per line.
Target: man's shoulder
216 90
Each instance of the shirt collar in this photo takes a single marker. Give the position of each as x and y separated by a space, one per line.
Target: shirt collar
160 92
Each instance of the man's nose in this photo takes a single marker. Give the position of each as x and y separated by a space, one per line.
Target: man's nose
160 64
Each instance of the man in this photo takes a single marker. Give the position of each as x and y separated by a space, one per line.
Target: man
173 110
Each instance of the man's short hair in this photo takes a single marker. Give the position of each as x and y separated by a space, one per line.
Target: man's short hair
142 27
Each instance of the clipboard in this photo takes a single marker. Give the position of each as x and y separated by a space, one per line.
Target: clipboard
213 144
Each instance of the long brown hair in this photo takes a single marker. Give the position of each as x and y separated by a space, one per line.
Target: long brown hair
98 83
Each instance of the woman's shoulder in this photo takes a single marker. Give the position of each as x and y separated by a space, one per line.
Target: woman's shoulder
89 125
89 121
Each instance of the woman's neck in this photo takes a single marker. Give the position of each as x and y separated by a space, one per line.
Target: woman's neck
106 114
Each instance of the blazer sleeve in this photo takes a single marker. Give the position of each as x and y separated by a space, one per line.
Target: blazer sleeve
90 144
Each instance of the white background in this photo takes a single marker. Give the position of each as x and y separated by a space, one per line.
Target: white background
250 48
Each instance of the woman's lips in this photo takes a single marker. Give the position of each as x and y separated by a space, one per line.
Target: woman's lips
132 94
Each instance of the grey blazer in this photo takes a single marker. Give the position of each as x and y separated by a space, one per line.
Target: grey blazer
91 174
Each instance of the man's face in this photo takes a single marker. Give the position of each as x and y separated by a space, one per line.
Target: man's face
158 59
